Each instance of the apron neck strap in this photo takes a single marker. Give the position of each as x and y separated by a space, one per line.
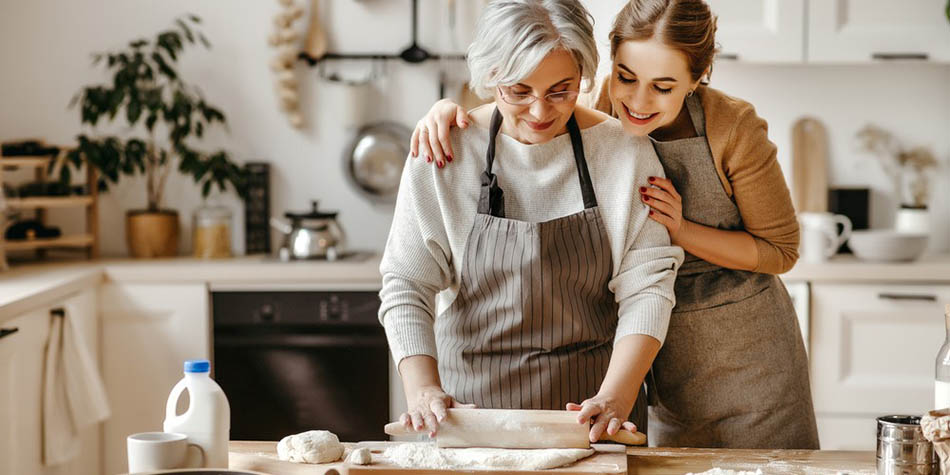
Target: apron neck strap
695 108
583 174
491 200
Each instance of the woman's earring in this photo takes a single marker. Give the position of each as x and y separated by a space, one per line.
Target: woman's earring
689 94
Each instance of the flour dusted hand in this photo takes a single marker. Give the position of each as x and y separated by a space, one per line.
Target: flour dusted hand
605 413
313 446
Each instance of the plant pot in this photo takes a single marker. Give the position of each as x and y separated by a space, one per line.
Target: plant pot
913 220
152 233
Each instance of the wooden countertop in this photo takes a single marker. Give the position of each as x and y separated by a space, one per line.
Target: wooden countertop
640 461
660 461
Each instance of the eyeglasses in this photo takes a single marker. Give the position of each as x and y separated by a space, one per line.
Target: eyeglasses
553 98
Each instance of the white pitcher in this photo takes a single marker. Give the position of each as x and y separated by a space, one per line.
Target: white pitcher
820 236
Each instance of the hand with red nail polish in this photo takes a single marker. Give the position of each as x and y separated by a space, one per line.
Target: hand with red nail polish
666 205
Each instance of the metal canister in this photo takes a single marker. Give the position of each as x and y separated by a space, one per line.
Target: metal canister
902 448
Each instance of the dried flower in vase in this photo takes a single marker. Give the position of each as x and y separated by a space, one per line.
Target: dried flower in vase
907 168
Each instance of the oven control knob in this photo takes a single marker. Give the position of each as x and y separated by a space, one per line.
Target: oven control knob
266 313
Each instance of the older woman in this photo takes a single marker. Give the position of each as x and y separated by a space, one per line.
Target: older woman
559 286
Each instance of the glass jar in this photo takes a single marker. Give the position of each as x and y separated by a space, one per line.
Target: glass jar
942 375
211 231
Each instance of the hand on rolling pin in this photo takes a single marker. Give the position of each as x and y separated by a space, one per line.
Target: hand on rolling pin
427 408
605 413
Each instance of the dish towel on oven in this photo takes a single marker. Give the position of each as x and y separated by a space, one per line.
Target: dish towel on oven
73 393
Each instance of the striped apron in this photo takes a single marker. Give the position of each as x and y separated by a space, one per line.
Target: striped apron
533 323
733 371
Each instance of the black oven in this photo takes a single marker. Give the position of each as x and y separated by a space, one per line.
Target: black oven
295 361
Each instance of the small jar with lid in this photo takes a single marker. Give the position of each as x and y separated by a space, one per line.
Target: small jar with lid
211 232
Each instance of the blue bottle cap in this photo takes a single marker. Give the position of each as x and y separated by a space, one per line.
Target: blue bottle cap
197 366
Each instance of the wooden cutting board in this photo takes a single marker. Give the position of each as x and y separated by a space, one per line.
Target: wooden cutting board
809 166
262 457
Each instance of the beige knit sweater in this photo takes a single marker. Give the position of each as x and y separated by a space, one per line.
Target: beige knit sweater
436 208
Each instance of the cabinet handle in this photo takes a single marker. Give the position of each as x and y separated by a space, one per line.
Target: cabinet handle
923 297
8 331
728 56
900 56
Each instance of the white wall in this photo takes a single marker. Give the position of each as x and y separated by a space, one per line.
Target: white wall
45 47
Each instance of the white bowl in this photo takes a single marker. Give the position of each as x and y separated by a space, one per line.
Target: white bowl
887 245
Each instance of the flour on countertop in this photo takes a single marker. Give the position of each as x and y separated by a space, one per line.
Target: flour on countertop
723 471
427 455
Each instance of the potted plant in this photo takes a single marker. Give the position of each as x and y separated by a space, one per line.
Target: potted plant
160 115
909 170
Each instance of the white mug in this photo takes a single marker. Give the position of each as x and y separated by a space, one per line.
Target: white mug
149 451
820 236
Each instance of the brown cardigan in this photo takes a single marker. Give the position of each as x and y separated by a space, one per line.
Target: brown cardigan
750 175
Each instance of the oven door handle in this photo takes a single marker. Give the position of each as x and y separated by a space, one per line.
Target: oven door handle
301 341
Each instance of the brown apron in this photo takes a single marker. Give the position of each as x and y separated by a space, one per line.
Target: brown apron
733 371
533 323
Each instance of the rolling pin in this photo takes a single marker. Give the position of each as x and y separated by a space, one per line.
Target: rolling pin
515 429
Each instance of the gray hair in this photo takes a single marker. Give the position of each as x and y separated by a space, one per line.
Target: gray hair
513 37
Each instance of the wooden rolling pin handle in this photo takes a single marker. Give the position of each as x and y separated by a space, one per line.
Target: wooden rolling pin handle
398 428
625 437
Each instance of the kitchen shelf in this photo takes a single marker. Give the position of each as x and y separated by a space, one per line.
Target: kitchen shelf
25 161
39 204
51 202
78 240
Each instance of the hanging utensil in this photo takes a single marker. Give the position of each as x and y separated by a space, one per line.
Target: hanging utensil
316 46
375 159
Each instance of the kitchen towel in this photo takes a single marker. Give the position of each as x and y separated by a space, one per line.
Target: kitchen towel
73 393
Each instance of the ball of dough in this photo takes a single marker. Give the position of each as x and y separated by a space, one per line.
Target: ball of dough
313 446
360 456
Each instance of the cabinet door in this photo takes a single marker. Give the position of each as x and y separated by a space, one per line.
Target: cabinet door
767 31
844 31
873 347
148 331
22 357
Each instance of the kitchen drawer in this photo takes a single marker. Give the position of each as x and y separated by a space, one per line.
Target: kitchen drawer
873 347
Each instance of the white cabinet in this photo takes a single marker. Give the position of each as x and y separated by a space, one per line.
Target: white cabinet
21 369
872 353
148 331
22 361
866 30
770 31
832 31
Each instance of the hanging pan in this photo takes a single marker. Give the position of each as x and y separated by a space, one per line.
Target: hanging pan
375 158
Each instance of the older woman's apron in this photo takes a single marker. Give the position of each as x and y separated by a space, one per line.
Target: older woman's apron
733 371
533 324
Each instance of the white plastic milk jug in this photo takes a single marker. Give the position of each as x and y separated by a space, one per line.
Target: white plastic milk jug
207 422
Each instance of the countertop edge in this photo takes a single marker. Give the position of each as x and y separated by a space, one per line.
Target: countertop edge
42 288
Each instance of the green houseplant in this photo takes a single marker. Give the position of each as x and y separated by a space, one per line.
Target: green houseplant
161 115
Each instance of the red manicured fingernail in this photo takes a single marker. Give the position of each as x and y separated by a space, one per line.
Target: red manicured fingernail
643 189
646 198
440 164
651 212
449 157
428 159
651 179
